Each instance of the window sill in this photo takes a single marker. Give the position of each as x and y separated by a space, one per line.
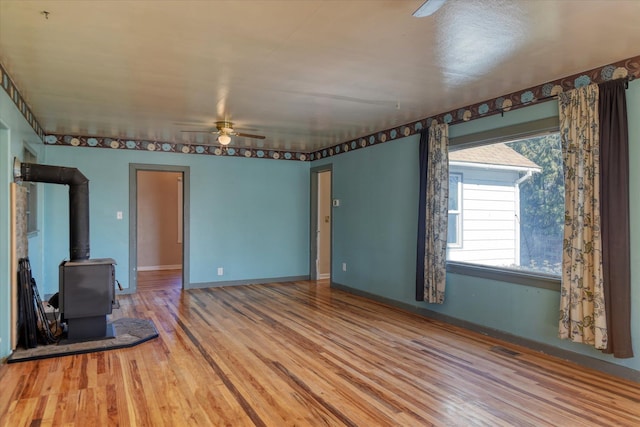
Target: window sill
536 280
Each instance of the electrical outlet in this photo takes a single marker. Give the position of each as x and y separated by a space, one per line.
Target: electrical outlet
344 266
119 215
220 271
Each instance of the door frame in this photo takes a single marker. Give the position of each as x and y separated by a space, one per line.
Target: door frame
313 221
133 219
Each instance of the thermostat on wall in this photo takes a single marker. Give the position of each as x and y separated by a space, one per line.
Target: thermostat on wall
336 203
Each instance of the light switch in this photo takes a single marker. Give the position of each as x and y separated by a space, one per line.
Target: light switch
336 203
119 215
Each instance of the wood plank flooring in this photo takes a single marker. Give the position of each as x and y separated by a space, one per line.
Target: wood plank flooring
159 280
302 354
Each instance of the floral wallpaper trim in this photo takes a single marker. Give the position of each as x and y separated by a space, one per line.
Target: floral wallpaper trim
171 147
627 68
10 88
133 144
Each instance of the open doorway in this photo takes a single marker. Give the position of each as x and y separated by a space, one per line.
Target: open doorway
159 236
158 227
321 223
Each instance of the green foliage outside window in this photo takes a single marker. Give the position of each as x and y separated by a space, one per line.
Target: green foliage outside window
542 205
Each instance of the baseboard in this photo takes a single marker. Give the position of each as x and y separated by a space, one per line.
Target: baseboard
324 276
124 291
580 359
245 282
160 267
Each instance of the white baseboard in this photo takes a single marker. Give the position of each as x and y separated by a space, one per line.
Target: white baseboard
159 267
324 276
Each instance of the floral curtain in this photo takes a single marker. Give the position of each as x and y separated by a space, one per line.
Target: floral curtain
582 307
436 196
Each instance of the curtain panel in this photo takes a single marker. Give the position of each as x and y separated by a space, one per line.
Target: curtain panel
433 215
582 304
423 154
614 207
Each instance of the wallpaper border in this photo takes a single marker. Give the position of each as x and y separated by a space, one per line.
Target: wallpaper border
170 147
626 68
12 90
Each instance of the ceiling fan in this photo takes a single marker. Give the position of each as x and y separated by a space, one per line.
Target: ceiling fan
225 131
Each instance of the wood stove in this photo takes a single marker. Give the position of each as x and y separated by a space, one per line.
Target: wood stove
87 286
87 295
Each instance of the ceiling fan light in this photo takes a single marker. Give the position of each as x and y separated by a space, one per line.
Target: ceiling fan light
428 8
224 139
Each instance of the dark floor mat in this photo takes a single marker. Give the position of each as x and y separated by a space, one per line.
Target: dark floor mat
128 333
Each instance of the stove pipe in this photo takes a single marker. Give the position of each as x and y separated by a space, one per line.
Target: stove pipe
78 200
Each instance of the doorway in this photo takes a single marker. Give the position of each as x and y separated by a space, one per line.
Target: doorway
321 223
158 227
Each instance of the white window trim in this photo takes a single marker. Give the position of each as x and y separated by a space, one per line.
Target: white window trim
458 213
32 188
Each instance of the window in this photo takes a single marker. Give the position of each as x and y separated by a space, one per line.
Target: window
455 206
508 213
32 196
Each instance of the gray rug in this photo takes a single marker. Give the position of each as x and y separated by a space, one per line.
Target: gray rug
128 333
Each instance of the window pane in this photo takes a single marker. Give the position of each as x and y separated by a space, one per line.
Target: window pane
454 196
32 196
452 235
32 207
512 204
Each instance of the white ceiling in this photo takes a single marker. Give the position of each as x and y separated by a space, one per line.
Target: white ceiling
306 74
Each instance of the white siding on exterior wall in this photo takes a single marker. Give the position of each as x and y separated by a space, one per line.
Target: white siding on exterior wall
489 218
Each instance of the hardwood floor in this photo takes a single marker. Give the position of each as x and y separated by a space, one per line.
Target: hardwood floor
303 354
159 280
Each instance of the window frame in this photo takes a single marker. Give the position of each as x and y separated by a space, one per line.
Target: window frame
29 156
458 243
506 134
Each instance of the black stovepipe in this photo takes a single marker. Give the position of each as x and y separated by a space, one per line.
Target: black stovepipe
78 201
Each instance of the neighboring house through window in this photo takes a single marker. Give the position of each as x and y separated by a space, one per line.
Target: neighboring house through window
508 211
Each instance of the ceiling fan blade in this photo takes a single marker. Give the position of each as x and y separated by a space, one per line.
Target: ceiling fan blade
199 131
248 135
242 129
428 8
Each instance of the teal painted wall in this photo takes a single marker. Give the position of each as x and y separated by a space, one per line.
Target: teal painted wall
249 216
15 132
375 230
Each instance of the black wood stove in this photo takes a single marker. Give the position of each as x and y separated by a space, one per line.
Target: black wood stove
87 286
87 295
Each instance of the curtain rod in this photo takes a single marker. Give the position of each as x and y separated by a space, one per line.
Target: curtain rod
547 98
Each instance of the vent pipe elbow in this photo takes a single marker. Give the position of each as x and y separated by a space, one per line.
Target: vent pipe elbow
78 200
